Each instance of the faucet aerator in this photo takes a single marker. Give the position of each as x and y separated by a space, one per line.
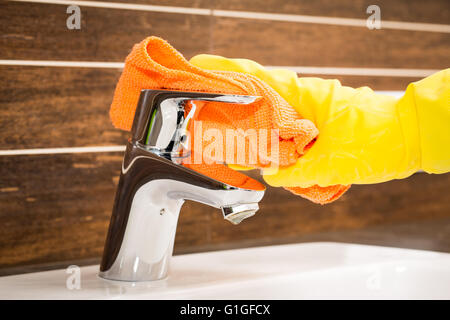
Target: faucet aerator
235 214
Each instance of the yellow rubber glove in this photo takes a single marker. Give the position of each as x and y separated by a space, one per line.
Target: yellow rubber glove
364 137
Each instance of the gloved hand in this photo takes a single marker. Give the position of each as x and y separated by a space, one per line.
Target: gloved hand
154 64
364 137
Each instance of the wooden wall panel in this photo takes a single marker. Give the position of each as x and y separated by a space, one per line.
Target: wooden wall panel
57 107
55 207
434 11
297 44
47 107
39 32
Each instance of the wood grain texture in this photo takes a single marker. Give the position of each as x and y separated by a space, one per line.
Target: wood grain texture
57 107
47 107
109 34
39 32
56 208
433 11
296 44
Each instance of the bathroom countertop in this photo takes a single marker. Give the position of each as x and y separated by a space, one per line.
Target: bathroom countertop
296 271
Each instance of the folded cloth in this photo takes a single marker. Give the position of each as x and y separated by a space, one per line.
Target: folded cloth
154 64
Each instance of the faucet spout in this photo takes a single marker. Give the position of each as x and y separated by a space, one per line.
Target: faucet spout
153 186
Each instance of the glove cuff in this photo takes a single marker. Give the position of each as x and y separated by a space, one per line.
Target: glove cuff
431 98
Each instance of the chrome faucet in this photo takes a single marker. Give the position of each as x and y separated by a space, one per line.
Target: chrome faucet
154 184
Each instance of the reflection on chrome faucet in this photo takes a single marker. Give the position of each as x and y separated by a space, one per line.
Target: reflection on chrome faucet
153 186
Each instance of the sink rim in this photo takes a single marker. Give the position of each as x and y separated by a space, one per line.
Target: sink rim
186 277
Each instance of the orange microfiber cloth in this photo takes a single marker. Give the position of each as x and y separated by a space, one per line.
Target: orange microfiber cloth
154 64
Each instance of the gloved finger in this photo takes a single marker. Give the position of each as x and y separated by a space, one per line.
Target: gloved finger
305 173
302 131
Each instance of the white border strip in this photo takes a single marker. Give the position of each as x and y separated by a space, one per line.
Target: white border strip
397 25
126 6
377 72
396 94
73 64
62 150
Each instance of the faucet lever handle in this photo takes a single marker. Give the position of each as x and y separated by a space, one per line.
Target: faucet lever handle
160 122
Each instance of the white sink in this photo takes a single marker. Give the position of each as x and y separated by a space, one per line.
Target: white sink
297 271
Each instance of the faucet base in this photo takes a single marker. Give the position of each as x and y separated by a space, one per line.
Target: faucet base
147 244
148 241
